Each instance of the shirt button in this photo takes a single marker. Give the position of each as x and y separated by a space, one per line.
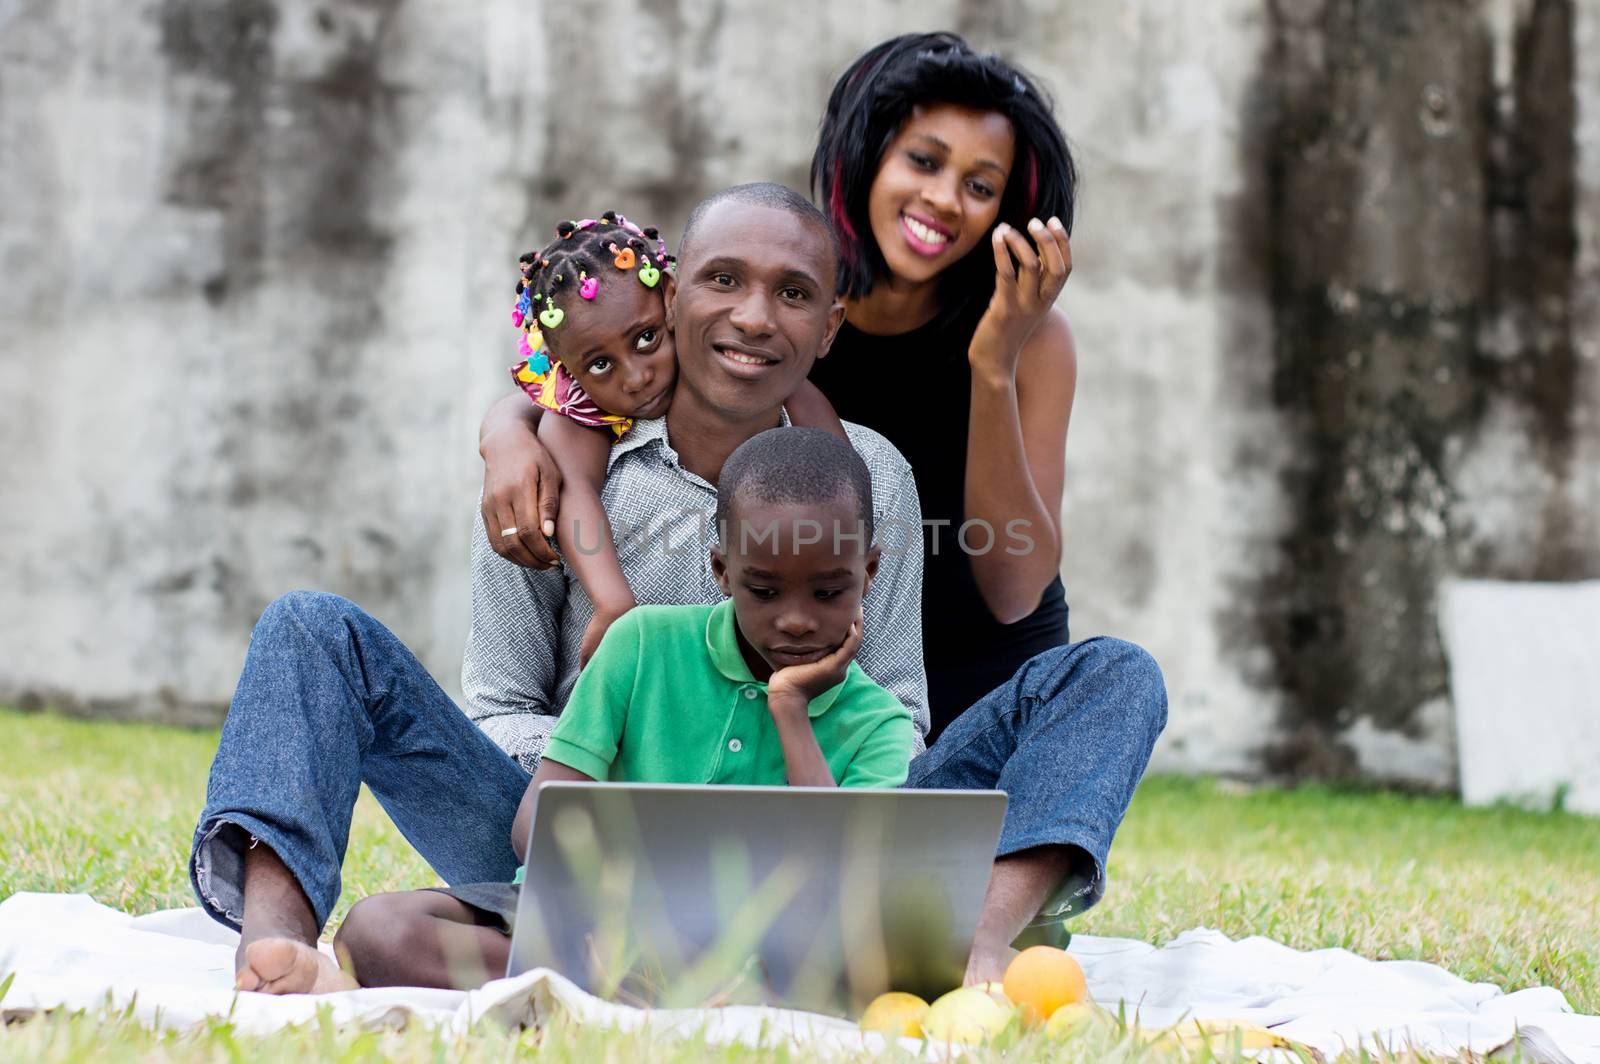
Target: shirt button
749 692
734 746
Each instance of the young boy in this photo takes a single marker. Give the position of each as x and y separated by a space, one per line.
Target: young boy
772 667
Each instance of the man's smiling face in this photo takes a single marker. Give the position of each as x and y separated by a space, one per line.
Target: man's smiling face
754 307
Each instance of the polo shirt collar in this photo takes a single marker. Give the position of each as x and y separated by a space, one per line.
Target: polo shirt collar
722 642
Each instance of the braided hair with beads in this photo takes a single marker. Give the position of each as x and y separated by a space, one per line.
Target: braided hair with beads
582 255
578 258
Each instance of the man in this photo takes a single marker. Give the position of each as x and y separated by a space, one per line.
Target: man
329 698
1067 738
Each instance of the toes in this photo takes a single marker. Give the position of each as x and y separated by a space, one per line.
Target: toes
278 966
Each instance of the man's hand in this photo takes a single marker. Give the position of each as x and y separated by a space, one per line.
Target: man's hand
805 682
521 492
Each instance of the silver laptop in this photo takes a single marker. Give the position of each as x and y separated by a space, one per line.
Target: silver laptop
814 898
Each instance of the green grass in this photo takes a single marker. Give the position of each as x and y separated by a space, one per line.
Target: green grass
1498 895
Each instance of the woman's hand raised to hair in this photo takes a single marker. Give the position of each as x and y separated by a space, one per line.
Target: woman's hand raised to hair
1024 292
521 487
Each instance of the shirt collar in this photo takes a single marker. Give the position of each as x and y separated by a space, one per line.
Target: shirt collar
654 433
722 642
643 434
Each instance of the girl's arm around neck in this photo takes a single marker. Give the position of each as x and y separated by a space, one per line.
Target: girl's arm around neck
810 409
583 530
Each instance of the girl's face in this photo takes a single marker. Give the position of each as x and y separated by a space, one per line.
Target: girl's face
938 188
617 345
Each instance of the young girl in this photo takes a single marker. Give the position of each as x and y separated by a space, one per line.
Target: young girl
591 307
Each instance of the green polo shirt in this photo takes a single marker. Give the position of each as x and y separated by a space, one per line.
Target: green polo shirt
668 698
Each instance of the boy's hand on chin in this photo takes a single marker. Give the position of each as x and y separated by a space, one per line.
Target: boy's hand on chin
799 684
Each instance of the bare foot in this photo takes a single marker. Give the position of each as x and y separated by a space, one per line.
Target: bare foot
284 966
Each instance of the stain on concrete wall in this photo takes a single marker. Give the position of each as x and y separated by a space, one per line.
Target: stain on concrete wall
1423 231
1530 359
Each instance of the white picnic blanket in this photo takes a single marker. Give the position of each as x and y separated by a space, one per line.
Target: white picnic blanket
175 968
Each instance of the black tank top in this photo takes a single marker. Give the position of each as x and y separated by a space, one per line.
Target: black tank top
916 389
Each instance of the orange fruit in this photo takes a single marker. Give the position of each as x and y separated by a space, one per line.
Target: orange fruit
1041 979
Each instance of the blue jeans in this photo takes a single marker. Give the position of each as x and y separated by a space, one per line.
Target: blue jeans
329 699
1067 738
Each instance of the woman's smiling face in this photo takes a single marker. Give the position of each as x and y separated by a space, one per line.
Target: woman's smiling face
938 188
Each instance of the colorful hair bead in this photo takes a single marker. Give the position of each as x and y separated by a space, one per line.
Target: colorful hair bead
551 316
648 274
625 259
588 286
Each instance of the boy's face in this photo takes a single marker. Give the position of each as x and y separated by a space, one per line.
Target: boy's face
617 345
795 586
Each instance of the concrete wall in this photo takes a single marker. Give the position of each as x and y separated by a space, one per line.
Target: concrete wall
1337 291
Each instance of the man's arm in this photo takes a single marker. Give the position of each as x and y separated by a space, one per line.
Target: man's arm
891 650
511 666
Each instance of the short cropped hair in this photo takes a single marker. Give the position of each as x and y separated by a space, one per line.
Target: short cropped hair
796 466
762 194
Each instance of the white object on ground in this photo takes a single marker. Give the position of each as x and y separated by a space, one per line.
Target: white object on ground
1525 679
175 968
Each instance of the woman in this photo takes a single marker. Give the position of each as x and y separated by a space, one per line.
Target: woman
933 163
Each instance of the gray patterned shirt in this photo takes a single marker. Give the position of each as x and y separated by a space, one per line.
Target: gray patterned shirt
522 651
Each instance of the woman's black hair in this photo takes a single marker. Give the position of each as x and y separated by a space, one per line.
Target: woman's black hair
873 99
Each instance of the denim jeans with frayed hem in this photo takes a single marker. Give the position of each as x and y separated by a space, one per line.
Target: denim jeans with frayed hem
329 699
1067 738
